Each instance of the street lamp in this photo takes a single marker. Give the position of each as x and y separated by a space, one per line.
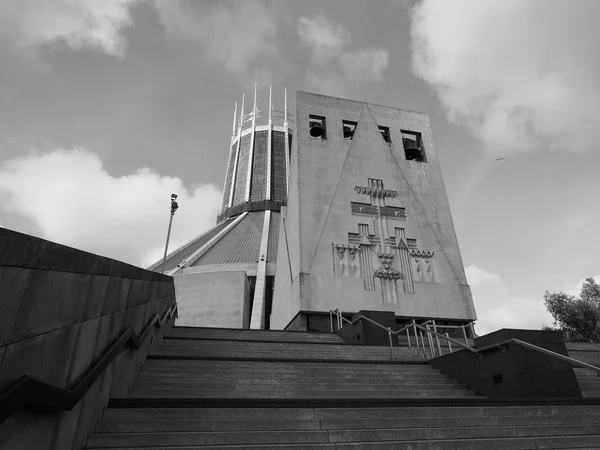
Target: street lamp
174 207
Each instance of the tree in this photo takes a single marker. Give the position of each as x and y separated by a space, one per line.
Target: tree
577 318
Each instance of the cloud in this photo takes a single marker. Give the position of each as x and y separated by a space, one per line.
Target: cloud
79 24
333 68
518 75
73 200
498 308
326 39
233 33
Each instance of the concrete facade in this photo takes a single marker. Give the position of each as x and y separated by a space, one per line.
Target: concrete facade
364 227
213 299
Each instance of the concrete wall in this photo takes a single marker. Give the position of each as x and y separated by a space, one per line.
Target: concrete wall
513 371
61 308
215 299
323 175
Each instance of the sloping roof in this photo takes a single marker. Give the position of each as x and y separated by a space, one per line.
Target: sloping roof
241 244
183 252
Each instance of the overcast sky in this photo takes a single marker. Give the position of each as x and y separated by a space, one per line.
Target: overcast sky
107 107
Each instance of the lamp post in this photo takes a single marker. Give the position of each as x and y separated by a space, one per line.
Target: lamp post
174 207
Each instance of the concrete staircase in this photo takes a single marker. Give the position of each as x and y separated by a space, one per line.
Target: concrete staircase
216 388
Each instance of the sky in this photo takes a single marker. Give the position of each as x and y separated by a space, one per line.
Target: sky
108 107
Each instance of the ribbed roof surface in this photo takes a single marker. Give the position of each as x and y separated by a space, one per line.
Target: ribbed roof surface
186 252
241 244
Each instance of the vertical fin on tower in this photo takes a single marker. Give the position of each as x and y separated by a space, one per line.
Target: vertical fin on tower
237 152
269 144
251 152
287 141
234 118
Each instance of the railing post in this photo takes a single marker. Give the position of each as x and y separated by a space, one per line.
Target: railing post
465 335
472 329
430 342
416 336
423 344
391 345
437 339
449 343
331 319
408 338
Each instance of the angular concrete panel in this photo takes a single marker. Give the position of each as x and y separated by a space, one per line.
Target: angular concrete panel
216 299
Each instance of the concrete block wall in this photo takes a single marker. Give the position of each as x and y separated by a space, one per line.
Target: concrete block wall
61 309
214 299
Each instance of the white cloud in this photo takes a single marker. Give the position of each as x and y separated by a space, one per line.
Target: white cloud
519 75
326 39
498 308
333 68
74 201
28 24
232 33
365 65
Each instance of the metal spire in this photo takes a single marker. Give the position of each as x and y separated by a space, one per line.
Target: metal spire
242 111
270 106
254 110
234 118
285 111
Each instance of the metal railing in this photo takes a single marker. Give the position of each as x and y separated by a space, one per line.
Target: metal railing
31 391
427 332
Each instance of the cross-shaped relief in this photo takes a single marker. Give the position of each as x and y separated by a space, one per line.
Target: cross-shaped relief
377 255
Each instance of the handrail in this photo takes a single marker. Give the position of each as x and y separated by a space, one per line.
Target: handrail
543 350
430 332
30 390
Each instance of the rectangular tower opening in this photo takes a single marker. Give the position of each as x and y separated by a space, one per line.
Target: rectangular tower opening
385 134
317 126
413 146
348 128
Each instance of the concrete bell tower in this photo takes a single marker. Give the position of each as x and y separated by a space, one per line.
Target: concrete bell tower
368 224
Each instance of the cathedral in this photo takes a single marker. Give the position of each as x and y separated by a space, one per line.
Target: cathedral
340 205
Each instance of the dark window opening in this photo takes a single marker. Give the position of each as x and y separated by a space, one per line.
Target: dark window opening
413 146
385 133
252 283
349 128
317 126
498 378
269 287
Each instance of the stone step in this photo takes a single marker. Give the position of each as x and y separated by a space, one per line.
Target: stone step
245 380
307 367
244 335
380 413
187 373
280 350
163 392
308 386
558 442
275 424
158 439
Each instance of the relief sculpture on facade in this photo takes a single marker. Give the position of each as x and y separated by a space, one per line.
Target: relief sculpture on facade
393 261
